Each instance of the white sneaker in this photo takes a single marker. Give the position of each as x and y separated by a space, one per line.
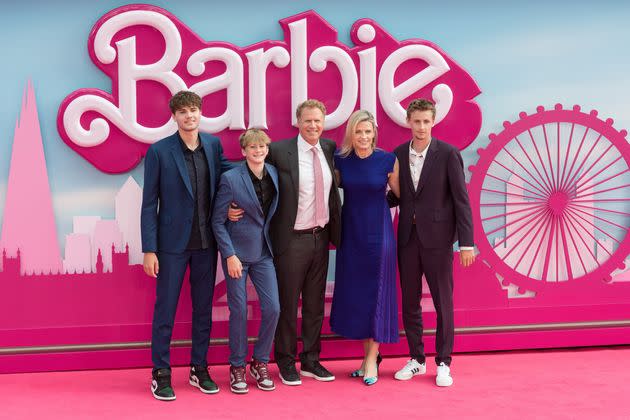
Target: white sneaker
411 369
443 377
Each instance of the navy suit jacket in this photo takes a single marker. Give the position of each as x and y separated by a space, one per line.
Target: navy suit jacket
244 238
167 198
440 203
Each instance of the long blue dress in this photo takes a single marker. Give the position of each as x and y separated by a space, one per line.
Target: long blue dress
364 302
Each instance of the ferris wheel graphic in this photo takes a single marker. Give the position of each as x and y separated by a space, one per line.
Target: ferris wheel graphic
551 199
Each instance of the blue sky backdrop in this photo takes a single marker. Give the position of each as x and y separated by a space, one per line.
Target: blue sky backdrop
522 54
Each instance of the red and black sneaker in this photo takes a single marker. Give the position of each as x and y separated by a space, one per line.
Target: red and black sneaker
260 372
238 383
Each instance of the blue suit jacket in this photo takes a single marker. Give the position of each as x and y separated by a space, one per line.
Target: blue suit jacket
246 237
167 198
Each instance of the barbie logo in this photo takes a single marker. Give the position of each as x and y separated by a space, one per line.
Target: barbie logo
149 54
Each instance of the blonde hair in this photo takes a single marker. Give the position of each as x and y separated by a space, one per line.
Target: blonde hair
355 119
310 103
253 135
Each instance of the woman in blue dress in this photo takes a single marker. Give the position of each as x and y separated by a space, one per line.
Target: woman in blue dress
364 302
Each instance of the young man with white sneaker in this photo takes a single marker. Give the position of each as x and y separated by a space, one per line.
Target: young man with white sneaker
434 213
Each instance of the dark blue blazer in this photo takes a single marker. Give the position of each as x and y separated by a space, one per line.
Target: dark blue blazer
167 198
440 203
246 237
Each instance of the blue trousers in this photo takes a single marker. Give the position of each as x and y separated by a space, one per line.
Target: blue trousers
169 285
263 276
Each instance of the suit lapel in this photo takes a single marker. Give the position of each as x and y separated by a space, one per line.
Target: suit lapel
178 155
207 150
405 169
294 165
429 159
274 203
249 186
329 159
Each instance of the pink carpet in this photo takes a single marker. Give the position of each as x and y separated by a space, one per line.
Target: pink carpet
559 384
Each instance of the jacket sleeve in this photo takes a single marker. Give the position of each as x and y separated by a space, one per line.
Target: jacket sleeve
150 199
459 193
219 217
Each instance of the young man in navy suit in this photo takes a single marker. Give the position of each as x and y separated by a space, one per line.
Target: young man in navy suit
434 213
181 175
246 250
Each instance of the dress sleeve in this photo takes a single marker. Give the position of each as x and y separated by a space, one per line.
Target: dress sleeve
389 161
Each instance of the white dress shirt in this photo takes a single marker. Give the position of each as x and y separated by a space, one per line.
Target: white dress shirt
306 191
416 163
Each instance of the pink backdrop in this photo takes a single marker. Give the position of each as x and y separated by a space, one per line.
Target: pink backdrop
549 196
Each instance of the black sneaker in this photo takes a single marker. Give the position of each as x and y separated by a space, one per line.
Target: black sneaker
200 378
161 385
289 375
315 370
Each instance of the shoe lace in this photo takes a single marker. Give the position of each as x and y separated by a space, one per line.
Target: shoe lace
163 381
411 364
239 373
262 370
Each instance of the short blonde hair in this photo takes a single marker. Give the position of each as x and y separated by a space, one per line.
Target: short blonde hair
253 136
310 103
355 119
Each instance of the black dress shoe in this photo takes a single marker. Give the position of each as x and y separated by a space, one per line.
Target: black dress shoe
289 375
315 370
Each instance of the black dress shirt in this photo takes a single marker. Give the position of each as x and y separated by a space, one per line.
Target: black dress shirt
265 190
199 175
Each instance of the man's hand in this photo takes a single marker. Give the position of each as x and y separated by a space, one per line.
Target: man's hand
235 268
151 264
467 257
235 213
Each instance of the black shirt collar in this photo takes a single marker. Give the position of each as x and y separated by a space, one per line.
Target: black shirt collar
253 176
185 147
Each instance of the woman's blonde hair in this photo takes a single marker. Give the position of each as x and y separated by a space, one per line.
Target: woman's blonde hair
355 119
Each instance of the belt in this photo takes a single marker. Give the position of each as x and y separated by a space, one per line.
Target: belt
311 231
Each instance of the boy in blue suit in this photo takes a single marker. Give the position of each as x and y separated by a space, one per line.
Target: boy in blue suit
181 175
246 249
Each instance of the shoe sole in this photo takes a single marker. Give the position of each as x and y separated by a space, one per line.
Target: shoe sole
444 384
157 397
239 391
205 391
258 385
319 378
290 383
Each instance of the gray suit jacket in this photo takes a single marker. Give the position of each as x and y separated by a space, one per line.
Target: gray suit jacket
284 156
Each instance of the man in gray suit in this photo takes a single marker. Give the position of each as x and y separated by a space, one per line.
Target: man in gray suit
307 219
246 249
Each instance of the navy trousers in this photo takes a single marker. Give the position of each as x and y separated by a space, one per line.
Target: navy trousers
202 265
263 275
